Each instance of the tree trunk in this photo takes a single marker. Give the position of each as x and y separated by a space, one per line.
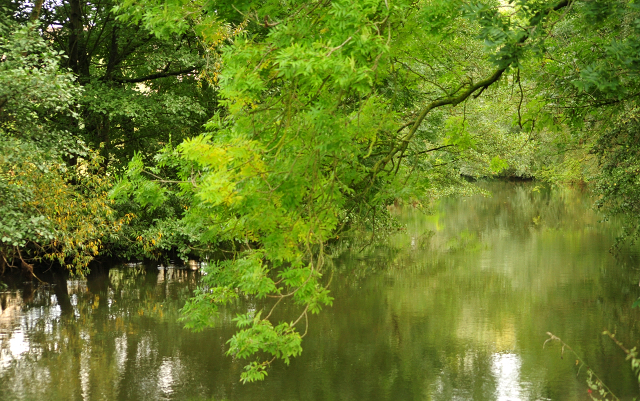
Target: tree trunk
78 58
35 11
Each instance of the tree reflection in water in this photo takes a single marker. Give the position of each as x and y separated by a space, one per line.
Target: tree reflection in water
83 337
457 306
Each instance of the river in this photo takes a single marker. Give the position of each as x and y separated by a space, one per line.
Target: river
456 306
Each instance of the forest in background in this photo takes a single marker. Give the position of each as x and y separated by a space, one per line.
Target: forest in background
256 134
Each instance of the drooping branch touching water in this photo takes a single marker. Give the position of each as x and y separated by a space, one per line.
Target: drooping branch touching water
597 388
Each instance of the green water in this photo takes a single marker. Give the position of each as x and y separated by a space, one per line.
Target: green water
456 307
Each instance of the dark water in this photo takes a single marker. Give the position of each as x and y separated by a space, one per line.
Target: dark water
456 307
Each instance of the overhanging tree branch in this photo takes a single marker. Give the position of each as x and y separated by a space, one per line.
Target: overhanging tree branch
452 100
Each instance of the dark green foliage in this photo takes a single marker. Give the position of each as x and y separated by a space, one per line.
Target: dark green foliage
618 184
140 91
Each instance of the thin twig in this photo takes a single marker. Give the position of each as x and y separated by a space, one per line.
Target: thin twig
339 47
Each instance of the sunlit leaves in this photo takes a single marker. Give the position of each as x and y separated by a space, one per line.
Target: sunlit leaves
201 310
498 164
163 18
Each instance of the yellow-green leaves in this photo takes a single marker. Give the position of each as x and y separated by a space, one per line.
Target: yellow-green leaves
226 164
163 18
279 166
49 212
498 165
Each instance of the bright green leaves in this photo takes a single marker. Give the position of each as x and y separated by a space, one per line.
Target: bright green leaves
296 61
163 18
226 163
242 79
273 175
498 165
201 309
248 274
307 288
280 341
334 54
252 278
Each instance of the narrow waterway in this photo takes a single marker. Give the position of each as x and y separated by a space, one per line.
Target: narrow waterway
455 307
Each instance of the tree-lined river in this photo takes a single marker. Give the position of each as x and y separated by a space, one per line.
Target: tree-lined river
456 307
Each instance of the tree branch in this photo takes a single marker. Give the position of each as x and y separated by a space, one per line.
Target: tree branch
338 47
431 150
451 100
156 76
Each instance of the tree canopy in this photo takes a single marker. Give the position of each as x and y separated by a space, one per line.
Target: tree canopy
260 133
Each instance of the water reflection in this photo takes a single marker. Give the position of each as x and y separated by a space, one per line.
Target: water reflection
454 308
85 346
506 370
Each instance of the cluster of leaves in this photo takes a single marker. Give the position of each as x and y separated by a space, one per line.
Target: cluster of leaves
36 94
50 211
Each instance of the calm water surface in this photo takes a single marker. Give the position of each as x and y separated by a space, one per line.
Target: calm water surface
456 307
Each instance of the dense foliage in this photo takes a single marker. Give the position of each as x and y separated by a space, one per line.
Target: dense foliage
50 209
258 133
